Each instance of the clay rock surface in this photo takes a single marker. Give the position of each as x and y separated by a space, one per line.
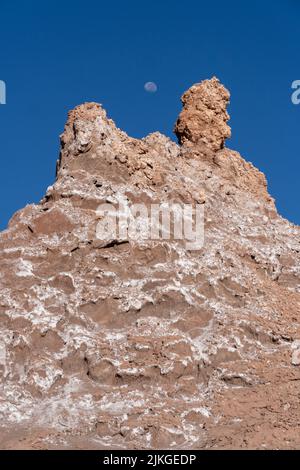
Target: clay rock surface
204 117
140 343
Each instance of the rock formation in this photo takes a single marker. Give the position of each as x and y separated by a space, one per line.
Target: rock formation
144 343
204 117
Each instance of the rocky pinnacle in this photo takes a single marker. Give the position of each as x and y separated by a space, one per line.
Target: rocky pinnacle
143 343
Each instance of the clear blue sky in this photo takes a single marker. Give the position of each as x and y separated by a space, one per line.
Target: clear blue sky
57 54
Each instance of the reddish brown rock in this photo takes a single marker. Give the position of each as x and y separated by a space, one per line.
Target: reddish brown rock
126 343
204 117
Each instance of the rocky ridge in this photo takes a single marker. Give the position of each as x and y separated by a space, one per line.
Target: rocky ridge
146 344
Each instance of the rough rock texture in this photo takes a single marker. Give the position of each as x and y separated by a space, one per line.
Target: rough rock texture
203 119
145 344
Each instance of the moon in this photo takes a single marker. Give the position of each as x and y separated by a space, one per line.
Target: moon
150 87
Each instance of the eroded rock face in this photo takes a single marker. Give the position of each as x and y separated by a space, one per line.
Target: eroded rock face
204 117
144 343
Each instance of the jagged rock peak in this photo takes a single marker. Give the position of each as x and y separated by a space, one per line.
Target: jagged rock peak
86 114
86 124
204 116
87 111
132 343
92 143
